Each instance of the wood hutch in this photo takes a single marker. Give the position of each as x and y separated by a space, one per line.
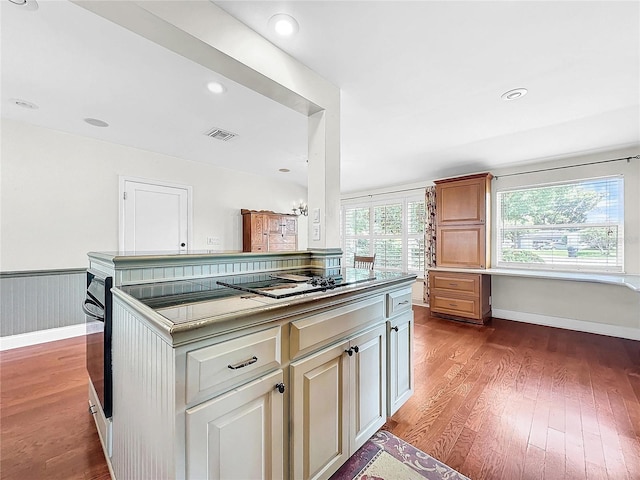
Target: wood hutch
463 208
266 231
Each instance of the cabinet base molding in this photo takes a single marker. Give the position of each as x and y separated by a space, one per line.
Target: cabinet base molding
483 321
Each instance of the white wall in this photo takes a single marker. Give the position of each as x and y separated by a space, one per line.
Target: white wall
562 302
59 197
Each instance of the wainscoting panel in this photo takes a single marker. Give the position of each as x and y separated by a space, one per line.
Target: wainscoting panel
41 300
144 376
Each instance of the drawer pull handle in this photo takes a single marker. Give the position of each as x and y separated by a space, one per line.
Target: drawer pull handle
280 387
453 304
395 328
453 284
404 302
243 364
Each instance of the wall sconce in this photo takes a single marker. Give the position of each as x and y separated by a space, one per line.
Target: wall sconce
301 209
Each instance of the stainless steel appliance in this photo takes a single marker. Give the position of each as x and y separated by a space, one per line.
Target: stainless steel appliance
97 308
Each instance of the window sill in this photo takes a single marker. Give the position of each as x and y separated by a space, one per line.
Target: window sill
626 280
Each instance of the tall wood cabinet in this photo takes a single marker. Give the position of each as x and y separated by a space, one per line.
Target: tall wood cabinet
266 231
462 216
462 242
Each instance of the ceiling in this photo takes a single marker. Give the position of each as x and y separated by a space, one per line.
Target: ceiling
421 85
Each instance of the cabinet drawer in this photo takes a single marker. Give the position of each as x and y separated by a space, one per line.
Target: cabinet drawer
216 368
315 331
456 282
468 307
282 239
398 302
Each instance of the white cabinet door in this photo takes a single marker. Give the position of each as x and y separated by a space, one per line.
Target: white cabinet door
319 413
238 435
368 394
400 360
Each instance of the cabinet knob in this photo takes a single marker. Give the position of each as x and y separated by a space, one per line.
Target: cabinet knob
183 244
356 349
394 328
350 351
280 387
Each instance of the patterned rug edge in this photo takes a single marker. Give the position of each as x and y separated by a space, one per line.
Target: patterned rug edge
364 460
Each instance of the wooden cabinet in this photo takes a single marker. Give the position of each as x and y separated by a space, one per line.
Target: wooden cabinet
341 393
400 360
319 413
462 246
462 213
463 207
462 200
266 231
460 295
368 385
239 434
292 398
338 402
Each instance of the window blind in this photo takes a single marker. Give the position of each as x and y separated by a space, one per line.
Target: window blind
575 225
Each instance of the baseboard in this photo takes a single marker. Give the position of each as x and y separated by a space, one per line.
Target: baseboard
41 336
569 324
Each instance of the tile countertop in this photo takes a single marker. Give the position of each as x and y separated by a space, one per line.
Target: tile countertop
189 316
631 281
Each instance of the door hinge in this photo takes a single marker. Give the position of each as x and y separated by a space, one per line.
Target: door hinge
124 196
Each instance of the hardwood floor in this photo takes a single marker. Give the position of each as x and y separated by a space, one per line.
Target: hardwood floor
504 401
517 401
46 430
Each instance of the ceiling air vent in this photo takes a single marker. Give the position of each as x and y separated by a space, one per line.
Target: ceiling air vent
220 134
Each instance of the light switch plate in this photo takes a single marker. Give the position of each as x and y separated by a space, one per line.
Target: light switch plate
316 215
316 232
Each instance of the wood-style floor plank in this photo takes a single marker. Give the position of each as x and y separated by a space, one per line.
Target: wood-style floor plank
505 401
535 402
45 426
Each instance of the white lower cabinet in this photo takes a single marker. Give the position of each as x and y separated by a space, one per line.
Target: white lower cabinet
400 362
338 400
238 435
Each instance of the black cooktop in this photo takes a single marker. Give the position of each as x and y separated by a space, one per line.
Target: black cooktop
282 285
273 285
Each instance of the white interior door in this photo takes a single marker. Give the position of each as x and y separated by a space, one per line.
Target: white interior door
155 217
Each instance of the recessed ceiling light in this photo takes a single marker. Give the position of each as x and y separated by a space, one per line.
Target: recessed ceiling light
283 24
284 170
216 87
26 4
96 123
24 104
514 94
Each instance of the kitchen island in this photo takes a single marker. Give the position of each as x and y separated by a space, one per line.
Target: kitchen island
218 382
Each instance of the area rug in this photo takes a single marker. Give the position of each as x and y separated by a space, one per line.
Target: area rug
386 457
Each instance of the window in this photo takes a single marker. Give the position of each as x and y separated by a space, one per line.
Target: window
392 229
566 226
